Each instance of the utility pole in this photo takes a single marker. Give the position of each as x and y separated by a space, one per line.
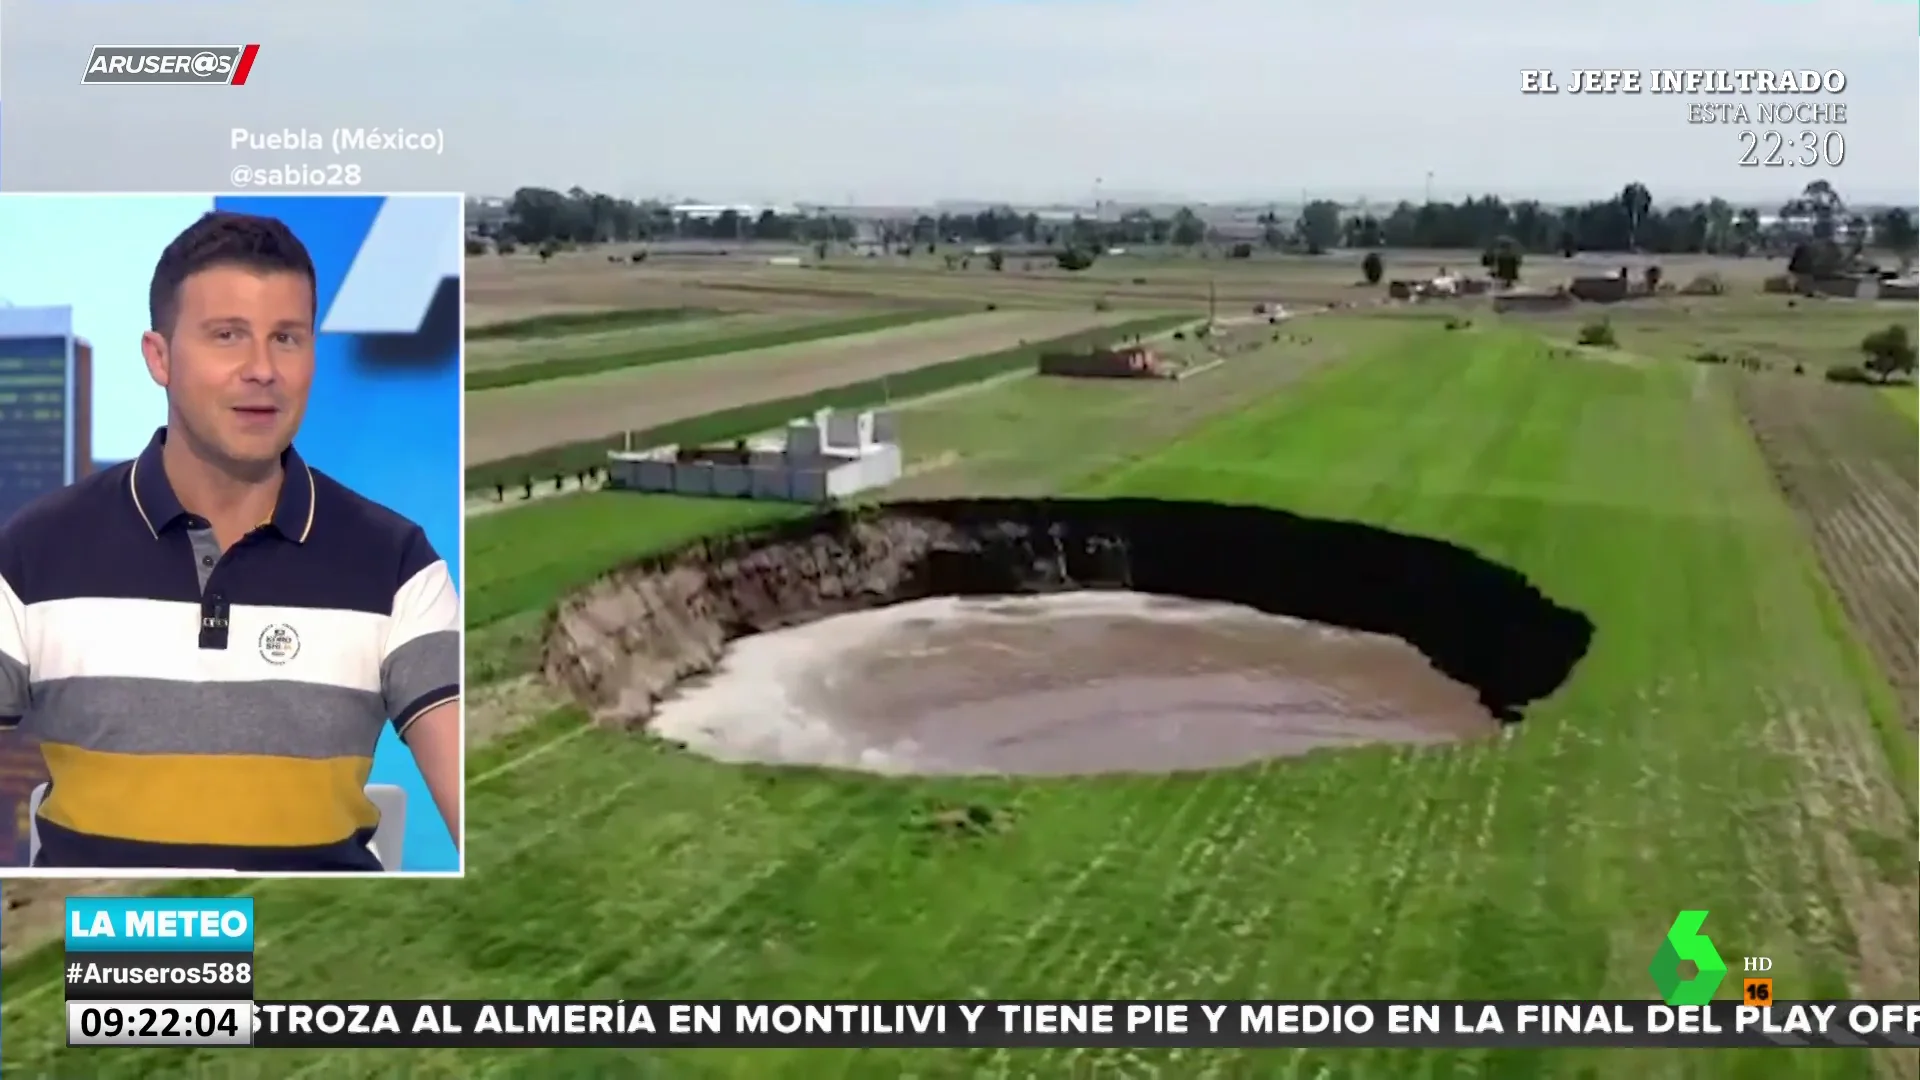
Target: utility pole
1212 301
1429 187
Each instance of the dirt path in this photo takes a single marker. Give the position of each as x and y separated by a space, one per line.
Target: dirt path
1847 465
523 419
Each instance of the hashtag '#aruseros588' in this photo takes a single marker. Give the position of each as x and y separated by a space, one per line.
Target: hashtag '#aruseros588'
120 976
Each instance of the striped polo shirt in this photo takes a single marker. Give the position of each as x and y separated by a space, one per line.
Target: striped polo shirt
175 744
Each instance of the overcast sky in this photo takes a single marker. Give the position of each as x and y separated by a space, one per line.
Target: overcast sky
883 101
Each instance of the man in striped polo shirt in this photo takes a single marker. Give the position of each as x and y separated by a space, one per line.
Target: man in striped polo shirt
207 640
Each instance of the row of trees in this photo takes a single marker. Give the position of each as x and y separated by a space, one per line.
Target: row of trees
539 217
1627 222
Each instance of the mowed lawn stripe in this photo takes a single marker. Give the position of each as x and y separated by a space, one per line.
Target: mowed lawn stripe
1711 752
494 378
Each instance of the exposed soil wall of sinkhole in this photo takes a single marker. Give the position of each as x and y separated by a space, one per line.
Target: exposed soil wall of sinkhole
623 644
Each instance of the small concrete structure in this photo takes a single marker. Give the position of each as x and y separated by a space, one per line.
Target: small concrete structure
826 456
1839 286
1123 362
1607 289
1442 286
1521 301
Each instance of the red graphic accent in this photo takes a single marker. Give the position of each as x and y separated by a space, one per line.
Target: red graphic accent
245 66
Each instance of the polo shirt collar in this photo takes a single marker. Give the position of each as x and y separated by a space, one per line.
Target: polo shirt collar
159 507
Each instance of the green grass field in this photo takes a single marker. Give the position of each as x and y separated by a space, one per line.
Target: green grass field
1904 398
1779 330
1717 749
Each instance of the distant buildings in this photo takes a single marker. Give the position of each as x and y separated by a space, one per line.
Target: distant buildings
46 398
486 216
712 211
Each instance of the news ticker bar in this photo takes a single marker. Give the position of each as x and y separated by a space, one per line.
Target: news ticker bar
157 976
993 1024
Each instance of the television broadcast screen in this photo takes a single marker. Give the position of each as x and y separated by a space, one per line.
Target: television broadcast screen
1175 538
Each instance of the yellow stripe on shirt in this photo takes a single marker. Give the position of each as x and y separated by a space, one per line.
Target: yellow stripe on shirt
236 800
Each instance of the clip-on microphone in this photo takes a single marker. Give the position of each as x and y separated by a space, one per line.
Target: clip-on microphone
213 621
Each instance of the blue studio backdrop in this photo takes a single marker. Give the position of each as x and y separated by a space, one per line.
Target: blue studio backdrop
384 416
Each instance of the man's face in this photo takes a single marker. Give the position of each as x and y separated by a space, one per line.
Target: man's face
239 362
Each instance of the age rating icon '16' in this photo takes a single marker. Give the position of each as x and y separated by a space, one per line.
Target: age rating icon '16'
1685 942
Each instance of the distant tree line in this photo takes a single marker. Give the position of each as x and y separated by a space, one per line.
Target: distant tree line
1815 220
540 216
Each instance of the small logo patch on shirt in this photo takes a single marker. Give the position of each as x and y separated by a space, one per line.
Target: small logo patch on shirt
279 644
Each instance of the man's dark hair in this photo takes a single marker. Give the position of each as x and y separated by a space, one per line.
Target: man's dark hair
224 238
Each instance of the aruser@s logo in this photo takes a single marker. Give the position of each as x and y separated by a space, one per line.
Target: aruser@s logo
1685 942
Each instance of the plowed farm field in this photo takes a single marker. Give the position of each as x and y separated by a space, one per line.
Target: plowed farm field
522 419
504 289
484 355
1847 465
1162 279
